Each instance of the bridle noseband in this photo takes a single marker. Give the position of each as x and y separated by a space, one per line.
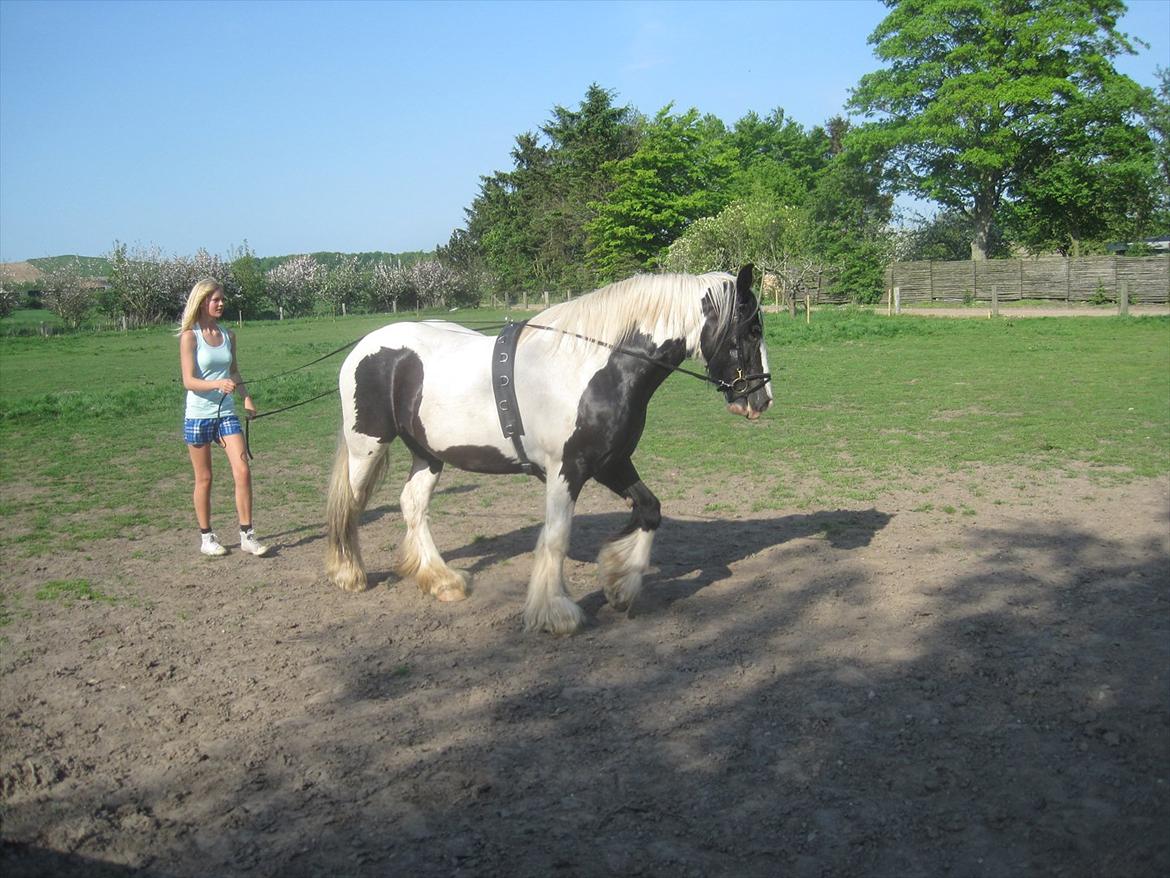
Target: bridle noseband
742 385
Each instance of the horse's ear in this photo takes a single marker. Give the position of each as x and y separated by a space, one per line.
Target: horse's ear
743 283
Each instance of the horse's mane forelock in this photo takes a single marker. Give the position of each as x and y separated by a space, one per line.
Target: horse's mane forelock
662 305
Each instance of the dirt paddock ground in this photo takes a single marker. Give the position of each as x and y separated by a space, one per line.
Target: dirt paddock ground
971 687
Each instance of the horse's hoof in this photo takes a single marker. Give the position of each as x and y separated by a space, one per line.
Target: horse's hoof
353 582
451 593
444 585
560 616
620 590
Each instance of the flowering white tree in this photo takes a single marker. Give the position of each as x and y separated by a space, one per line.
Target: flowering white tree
390 285
139 288
294 284
67 294
9 297
181 273
439 286
342 284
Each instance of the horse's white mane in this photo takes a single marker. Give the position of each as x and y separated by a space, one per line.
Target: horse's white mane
663 306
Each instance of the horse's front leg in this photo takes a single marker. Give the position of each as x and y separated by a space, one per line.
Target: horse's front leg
420 559
549 607
624 560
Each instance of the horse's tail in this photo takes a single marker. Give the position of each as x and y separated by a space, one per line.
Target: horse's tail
347 500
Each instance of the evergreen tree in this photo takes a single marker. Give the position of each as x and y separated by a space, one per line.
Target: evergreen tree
528 225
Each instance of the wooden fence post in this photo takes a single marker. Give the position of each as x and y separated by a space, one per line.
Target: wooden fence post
1123 299
994 300
896 296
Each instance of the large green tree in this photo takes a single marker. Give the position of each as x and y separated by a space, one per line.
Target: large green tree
850 219
975 94
1158 120
777 158
1095 180
678 173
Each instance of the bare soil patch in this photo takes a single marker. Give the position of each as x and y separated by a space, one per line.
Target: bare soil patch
19 272
967 682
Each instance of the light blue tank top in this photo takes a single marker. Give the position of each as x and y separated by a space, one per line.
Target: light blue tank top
211 364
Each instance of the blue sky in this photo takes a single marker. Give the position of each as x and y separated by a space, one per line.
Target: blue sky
366 126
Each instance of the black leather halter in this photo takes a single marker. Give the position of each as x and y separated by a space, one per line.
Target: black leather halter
504 388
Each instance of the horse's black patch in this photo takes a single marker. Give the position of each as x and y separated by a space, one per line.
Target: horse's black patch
388 388
611 414
484 459
387 394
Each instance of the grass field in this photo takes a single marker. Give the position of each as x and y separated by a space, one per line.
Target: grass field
91 444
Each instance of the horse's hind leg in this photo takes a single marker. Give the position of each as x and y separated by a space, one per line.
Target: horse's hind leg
421 560
623 561
548 606
357 468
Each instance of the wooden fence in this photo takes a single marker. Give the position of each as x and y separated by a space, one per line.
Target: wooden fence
1088 279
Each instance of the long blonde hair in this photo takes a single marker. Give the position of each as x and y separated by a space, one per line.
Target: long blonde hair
199 293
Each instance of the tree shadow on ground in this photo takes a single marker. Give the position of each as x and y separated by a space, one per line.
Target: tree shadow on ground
687 554
1014 729
1008 717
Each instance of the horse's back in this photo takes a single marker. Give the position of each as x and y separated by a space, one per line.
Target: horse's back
429 383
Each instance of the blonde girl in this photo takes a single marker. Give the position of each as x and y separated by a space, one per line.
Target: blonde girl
211 374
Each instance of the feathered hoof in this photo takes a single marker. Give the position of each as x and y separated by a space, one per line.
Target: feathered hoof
620 590
446 585
620 571
559 616
352 580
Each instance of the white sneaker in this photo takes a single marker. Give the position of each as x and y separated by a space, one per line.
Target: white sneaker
211 546
249 544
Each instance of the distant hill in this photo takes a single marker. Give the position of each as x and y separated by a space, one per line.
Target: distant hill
91 266
331 260
19 272
99 267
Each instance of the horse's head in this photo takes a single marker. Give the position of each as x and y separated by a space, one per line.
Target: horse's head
733 346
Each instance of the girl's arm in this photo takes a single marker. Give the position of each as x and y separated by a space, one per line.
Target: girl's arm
249 405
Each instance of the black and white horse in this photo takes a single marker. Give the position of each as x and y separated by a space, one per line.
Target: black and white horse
584 372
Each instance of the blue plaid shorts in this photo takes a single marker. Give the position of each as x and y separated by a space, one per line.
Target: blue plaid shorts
204 431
